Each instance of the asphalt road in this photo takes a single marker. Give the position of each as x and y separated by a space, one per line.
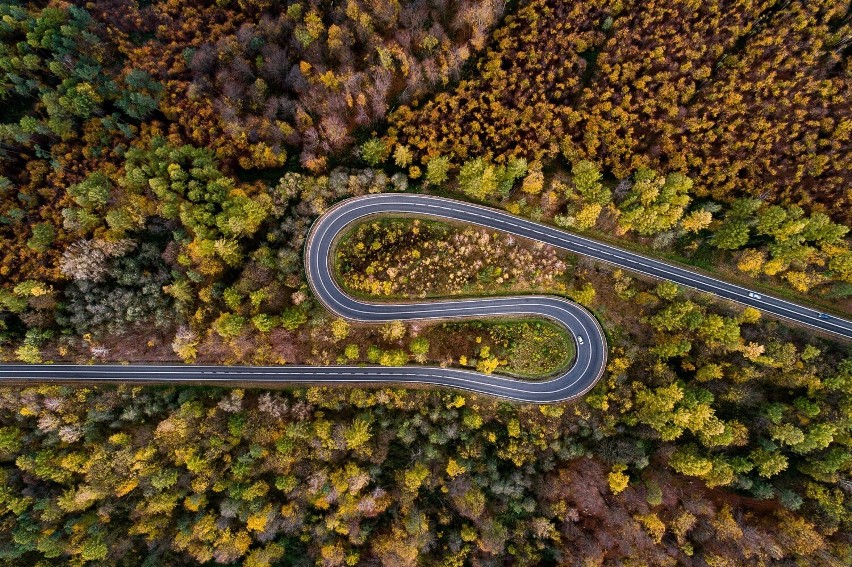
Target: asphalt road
586 369
349 211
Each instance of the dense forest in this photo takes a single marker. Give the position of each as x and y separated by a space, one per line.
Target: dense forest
161 162
748 98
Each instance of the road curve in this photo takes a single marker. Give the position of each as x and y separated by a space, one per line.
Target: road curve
351 210
588 365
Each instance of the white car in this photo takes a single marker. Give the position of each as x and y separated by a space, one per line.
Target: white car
579 339
753 295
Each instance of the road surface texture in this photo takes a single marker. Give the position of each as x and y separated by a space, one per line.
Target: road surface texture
588 365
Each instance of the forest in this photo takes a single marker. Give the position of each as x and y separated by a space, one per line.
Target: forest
161 163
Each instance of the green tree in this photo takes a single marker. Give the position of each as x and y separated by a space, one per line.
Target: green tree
780 223
667 290
820 229
394 357
507 175
656 408
654 203
374 151
686 460
10 441
420 349
55 58
818 436
30 354
437 170
263 322
293 318
339 329
374 353
731 235
768 463
140 97
841 265
478 179
42 238
93 193
359 433
787 434
587 176
402 156
229 325
352 352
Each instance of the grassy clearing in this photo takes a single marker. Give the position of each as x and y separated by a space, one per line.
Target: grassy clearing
527 348
411 258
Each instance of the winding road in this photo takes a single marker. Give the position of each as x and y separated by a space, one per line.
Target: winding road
591 347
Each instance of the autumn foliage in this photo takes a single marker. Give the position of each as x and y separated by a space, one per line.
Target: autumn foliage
747 98
161 163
